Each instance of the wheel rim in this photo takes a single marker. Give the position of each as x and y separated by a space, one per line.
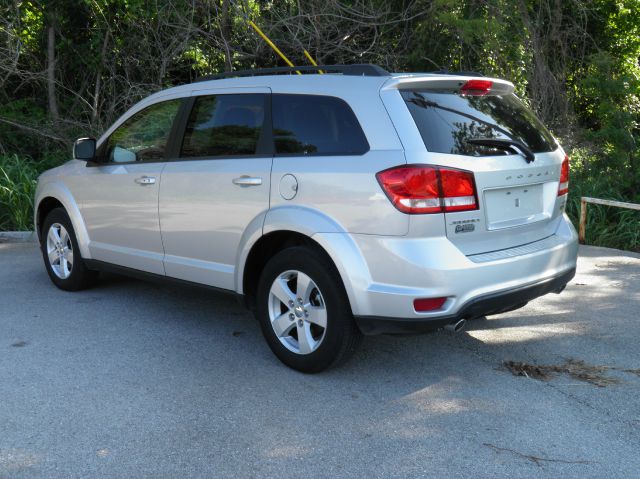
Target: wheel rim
60 251
297 312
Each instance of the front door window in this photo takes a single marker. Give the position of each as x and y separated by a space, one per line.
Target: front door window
144 136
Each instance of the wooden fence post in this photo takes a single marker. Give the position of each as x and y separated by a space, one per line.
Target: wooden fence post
597 201
583 220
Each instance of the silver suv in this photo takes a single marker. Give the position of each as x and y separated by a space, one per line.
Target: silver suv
350 202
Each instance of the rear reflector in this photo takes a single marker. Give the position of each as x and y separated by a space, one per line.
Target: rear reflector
422 189
563 188
476 87
428 304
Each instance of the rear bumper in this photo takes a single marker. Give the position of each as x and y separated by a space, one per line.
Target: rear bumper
384 275
488 304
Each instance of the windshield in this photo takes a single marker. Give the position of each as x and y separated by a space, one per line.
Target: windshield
447 120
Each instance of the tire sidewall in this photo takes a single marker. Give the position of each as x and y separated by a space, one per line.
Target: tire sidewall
76 279
339 318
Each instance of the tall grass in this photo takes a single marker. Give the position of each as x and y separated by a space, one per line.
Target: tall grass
606 225
18 178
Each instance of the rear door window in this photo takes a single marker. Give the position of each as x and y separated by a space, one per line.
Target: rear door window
447 120
224 125
315 125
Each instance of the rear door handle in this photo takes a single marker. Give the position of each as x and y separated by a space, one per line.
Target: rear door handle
247 181
145 180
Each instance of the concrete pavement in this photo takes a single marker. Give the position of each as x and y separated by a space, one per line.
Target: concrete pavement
134 379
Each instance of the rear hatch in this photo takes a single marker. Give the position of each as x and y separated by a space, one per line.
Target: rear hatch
479 125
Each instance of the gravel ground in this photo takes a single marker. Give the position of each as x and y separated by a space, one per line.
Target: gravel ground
134 379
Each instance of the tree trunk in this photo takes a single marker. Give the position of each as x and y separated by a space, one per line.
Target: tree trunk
51 73
98 85
225 30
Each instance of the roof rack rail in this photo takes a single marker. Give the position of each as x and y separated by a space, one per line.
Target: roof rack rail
444 71
360 69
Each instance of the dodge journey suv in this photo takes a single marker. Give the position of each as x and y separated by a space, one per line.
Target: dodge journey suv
339 202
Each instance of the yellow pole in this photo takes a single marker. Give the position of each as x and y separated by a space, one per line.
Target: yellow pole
272 45
310 58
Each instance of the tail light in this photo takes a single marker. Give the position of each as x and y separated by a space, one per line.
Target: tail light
563 188
476 87
420 189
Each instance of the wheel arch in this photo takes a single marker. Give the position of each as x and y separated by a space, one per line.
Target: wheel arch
264 249
45 207
55 195
298 226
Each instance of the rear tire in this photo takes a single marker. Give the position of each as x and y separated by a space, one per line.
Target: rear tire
304 311
61 253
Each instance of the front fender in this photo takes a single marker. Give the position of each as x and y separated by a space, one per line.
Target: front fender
57 190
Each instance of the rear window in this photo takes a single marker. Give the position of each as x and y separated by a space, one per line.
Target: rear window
315 125
447 120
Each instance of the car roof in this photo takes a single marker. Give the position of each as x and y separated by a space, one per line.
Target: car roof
307 83
328 83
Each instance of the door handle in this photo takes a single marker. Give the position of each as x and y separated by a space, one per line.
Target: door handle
145 180
247 181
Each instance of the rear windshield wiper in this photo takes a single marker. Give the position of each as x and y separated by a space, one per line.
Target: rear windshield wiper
505 144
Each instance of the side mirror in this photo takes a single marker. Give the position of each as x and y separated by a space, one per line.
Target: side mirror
84 149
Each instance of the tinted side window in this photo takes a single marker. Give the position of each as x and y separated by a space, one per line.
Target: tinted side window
224 125
143 137
315 125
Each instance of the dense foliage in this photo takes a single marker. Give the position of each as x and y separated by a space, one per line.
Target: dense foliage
70 67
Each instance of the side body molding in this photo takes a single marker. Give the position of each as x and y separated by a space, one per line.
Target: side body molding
56 189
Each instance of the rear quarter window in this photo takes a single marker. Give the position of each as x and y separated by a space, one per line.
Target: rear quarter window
446 120
315 125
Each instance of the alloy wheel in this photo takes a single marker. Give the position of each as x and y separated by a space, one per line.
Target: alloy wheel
297 312
60 251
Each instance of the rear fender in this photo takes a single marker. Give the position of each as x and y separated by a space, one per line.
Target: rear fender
306 221
329 234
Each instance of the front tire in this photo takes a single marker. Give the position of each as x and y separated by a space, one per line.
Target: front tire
61 253
304 311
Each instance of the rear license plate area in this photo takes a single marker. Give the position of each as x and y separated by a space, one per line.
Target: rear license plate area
514 206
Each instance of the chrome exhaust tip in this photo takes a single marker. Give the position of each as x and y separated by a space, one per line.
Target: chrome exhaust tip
456 327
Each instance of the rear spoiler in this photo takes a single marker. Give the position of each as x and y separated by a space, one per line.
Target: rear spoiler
472 85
